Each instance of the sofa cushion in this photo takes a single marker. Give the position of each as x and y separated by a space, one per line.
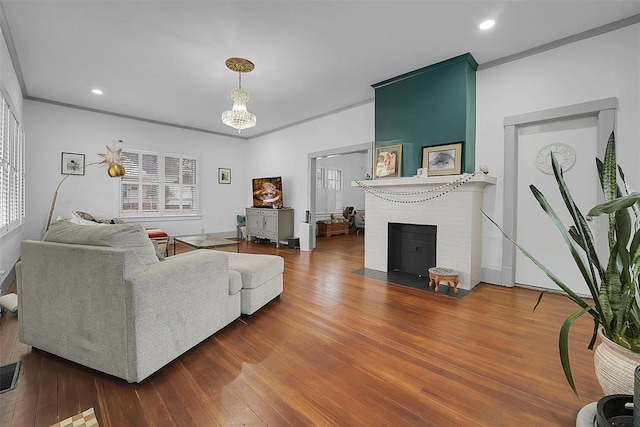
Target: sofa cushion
255 269
132 237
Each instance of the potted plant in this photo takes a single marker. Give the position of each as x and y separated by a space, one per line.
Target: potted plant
613 286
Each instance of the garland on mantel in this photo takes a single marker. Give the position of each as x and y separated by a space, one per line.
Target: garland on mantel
453 184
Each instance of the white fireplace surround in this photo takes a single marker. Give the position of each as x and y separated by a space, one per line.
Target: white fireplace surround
457 216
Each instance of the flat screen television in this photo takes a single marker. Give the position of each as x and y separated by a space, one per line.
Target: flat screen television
267 192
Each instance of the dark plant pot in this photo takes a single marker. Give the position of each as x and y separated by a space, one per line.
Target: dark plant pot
611 411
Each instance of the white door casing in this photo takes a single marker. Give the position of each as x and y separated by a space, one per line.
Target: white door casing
573 142
604 110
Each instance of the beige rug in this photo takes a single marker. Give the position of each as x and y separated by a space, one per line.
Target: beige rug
86 418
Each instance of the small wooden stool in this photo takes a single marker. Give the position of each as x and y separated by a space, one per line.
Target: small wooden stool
439 274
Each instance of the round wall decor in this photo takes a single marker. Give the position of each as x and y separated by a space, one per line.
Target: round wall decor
564 154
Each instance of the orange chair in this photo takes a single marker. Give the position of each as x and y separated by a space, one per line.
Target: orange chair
161 238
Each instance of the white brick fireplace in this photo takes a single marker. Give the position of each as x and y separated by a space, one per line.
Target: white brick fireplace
456 215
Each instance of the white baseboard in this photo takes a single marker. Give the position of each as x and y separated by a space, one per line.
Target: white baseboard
492 276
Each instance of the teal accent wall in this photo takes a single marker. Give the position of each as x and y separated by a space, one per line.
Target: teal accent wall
431 106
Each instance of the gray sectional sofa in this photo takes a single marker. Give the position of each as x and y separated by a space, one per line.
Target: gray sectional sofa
99 296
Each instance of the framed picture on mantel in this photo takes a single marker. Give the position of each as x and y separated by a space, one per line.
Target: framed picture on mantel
443 159
388 162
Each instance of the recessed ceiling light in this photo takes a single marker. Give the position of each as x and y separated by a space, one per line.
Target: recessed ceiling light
485 25
97 91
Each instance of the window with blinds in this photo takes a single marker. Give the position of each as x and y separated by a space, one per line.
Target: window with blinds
11 169
158 184
328 190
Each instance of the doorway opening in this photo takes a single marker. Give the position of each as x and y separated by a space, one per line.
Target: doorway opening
330 158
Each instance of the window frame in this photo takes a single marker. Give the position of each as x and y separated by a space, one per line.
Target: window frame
162 212
12 168
323 188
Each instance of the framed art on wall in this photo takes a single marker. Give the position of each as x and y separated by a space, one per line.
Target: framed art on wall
72 164
224 176
443 159
388 162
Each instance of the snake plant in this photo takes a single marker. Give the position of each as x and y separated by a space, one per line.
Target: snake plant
614 287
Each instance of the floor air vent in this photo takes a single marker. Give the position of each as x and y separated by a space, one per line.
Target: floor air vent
9 376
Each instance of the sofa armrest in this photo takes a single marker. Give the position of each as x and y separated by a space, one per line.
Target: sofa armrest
71 303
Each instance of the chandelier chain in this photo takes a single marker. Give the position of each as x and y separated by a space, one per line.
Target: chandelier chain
382 194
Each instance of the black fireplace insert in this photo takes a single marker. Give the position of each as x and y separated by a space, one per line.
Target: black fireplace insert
411 248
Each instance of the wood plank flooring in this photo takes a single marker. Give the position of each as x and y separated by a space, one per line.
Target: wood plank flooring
337 349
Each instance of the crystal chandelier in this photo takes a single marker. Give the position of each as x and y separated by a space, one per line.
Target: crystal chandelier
238 117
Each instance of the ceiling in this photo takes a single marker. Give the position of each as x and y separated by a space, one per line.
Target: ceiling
165 60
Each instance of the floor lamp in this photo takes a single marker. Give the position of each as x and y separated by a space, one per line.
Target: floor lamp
115 170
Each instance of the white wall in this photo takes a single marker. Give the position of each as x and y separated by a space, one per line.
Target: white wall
9 243
600 67
52 130
595 68
285 153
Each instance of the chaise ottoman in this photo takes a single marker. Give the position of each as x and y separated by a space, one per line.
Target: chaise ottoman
262 278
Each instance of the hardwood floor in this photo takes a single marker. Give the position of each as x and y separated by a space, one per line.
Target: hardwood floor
336 349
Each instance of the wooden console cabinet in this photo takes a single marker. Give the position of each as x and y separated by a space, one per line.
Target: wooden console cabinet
268 223
333 228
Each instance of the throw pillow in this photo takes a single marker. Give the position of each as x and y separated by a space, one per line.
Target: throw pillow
95 218
106 220
75 219
83 215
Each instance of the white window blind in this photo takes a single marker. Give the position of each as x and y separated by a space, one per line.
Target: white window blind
328 190
158 184
11 169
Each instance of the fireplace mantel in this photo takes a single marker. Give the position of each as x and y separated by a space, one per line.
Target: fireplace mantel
432 180
456 214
